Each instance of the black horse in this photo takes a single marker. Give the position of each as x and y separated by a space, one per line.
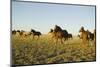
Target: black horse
70 36
35 33
13 32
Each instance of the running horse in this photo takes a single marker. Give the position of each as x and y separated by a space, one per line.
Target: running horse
59 34
35 33
84 35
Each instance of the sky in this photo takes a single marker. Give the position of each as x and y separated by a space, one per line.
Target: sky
42 17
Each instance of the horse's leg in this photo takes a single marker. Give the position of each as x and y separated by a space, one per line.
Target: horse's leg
38 37
67 40
64 40
56 40
33 36
85 42
88 42
52 38
61 41
71 37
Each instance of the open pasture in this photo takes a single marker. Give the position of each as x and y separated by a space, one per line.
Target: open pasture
44 50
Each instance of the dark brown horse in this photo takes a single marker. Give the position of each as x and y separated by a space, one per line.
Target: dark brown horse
59 34
65 34
90 35
23 33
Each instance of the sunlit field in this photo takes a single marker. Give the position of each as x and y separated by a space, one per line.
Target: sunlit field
44 50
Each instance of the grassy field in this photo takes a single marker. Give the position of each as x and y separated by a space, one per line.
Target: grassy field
26 50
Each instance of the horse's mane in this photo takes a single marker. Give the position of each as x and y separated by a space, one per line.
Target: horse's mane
65 31
81 29
32 30
57 28
51 30
89 32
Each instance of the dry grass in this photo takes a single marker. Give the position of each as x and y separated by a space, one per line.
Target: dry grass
26 50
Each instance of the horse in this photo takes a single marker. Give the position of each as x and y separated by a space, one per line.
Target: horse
21 32
18 31
59 34
35 33
70 36
65 34
84 35
90 35
13 32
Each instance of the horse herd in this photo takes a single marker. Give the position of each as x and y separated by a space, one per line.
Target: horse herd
24 33
60 34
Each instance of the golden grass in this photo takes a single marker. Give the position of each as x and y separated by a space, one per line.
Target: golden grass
26 50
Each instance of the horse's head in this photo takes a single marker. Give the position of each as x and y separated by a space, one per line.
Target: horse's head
57 28
13 31
33 31
18 31
51 30
22 31
65 32
82 29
